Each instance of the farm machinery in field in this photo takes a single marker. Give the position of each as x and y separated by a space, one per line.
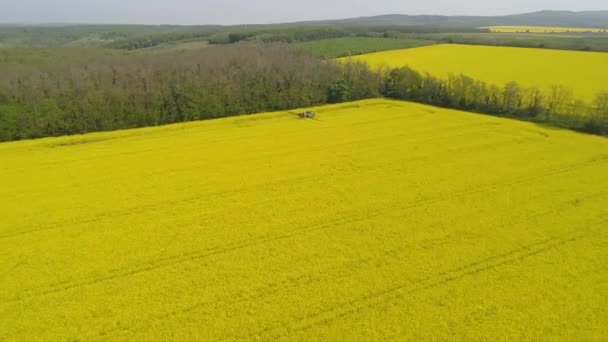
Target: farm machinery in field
307 115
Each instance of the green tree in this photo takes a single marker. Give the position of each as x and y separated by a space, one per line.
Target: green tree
534 101
404 83
512 98
338 91
8 123
560 100
600 105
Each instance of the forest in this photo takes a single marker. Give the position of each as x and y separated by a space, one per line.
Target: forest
116 92
113 92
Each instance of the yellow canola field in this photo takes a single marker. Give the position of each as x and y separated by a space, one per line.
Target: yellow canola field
585 73
379 220
542 29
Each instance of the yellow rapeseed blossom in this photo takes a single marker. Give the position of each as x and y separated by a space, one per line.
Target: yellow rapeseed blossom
542 29
376 220
541 68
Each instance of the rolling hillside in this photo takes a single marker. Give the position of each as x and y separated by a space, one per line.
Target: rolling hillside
378 220
542 18
499 65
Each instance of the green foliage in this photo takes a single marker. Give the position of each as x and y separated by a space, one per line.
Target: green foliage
361 82
119 91
462 92
599 120
278 33
164 38
8 123
235 37
53 55
512 99
318 33
97 35
124 91
601 104
134 37
338 92
404 83
573 41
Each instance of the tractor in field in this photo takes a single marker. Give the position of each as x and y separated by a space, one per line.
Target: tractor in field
307 115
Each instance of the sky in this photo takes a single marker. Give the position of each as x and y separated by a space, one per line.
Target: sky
229 12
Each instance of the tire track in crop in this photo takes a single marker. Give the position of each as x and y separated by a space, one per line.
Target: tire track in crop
366 142
309 177
185 257
502 258
456 130
156 206
291 284
304 229
264 291
373 299
234 299
154 134
563 169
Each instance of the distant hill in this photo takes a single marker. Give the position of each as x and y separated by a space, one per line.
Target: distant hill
130 37
598 19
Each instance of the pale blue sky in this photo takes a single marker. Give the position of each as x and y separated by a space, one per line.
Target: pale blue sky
260 11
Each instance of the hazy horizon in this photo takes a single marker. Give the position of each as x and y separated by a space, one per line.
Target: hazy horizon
232 12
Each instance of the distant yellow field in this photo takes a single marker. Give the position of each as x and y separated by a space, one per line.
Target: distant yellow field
542 29
380 220
585 73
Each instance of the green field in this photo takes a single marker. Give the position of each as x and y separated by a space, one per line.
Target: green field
378 220
544 29
557 41
98 35
54 55
341 47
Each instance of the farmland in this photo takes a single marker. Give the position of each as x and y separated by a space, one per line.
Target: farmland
499 65
378 220
341 47
543 29
558 41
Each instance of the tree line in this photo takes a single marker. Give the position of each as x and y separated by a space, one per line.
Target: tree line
126 91
557 107
116 92
578 42
195 33
289 33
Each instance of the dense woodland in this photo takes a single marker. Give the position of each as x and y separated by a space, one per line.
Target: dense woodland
94 35
133 37
117 92
125 91
76 79
143 35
